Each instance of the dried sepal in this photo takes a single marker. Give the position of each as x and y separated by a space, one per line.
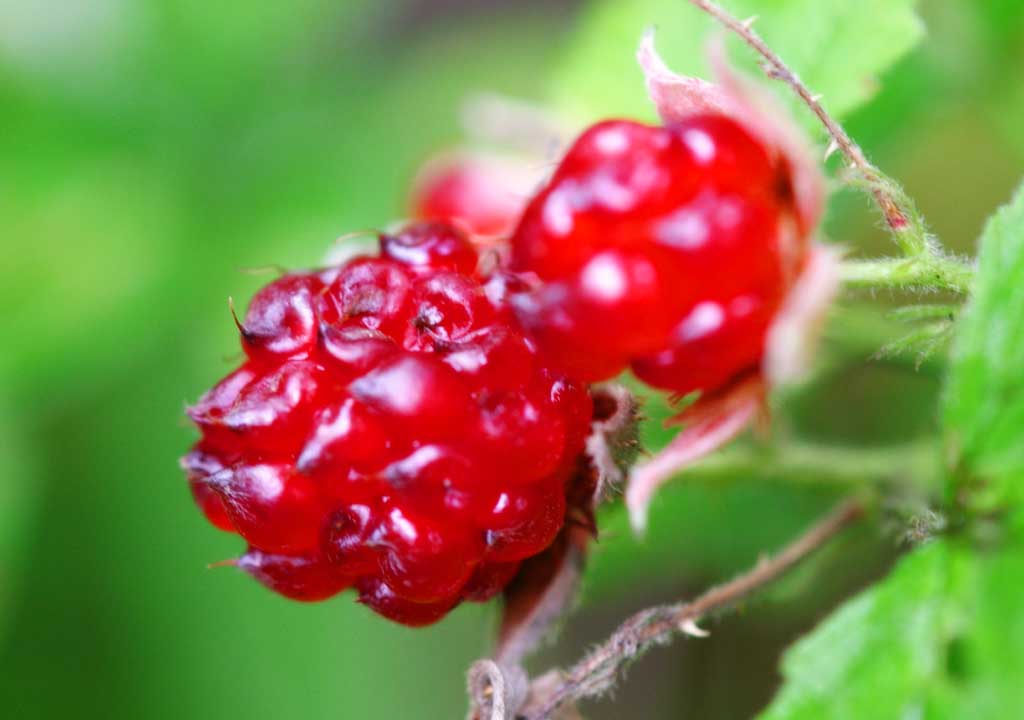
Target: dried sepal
794 333
761 113
543 589
677 97
710 423
614 441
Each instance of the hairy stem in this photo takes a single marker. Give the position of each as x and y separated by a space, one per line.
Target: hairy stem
931 270
929 266
596 672
896 217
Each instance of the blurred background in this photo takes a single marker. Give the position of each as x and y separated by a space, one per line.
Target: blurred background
150 149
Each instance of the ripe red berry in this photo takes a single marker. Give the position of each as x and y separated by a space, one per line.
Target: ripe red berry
300 577
379 597
524 521
429 247
272 506
199 466
479 193
260 406
281 321
393 429
656 248
424 558
489 580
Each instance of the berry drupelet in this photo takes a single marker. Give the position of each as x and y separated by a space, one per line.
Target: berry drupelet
392 430
659 249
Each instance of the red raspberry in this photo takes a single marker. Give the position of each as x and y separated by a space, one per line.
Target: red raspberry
489 580
281 321
429 247
200 466
656 248
378 596
392 430
300 577
475 192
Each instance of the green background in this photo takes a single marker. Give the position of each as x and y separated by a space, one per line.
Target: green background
150 149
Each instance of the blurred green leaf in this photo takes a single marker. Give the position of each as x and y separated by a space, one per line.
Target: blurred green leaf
838 48
18 506
599 75
1008 116
984 398
695 532
237 135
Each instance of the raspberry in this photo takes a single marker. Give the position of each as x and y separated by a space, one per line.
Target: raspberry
281 321
429 246
379 597
475 192
200 466
489 580
392 429
656 248
300 577
272 506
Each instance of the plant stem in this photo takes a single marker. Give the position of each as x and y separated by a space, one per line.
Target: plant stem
930 270
596 672
926 265
895 216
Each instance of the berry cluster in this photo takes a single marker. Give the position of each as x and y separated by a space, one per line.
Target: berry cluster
410 427
392 429
656 248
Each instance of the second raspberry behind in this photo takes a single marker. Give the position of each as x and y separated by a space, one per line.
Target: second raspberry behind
392 430
662 249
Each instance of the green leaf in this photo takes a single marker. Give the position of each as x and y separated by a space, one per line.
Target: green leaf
984 398
839 48
880 655
986 662
941 637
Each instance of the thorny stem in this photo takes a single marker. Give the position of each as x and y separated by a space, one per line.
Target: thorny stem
597 671
927 265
